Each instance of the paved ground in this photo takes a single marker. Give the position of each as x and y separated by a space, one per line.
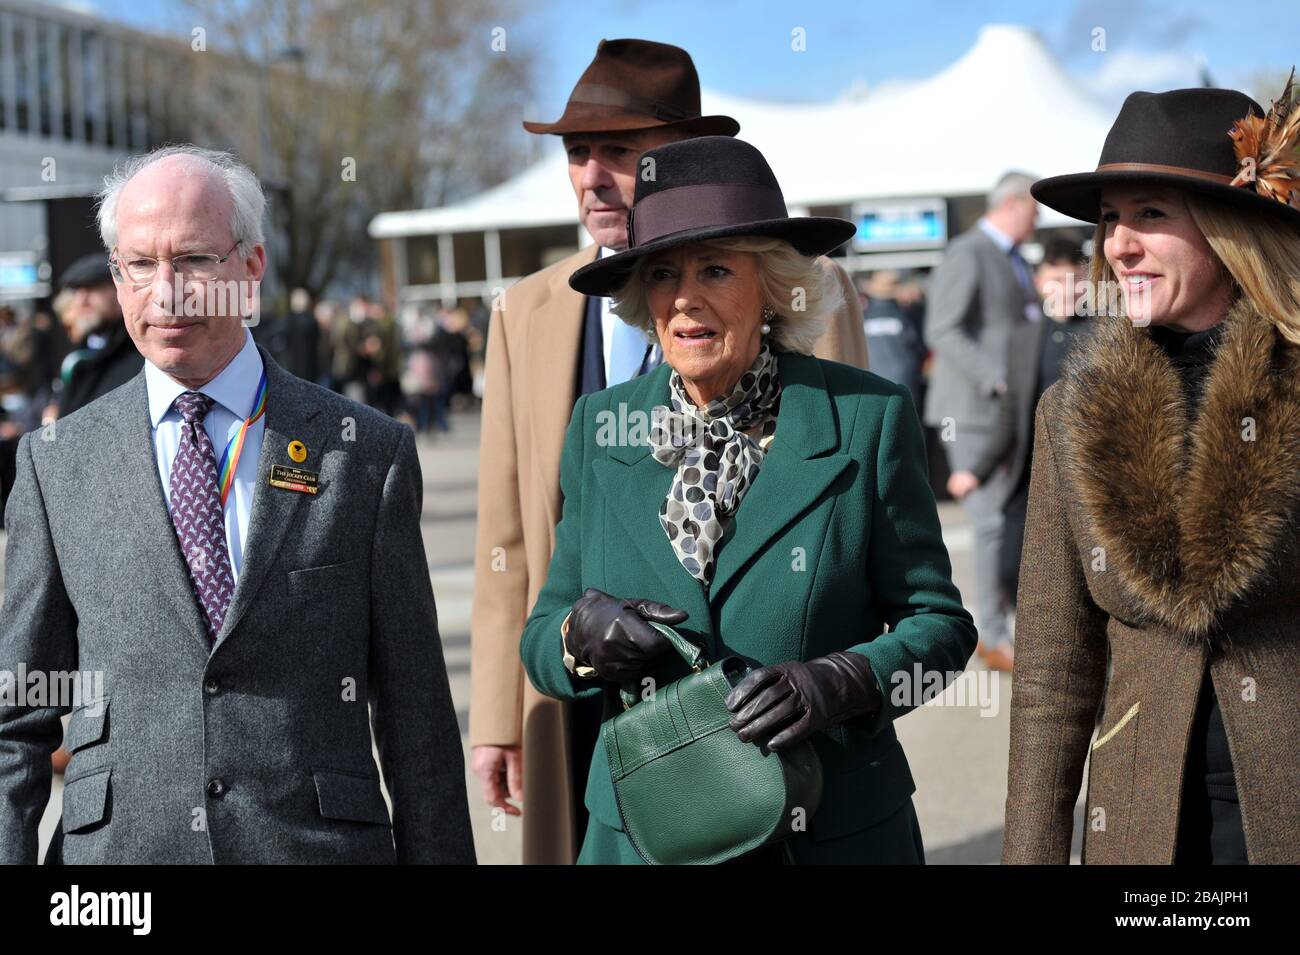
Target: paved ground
958 756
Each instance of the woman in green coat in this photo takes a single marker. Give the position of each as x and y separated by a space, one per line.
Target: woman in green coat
763 502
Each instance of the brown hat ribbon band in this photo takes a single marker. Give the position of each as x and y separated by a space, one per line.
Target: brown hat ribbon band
703 206
597 94
1172 170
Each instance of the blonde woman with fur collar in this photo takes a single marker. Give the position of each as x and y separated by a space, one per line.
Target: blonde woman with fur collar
1161 534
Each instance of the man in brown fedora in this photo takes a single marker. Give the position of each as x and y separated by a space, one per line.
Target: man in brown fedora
548 344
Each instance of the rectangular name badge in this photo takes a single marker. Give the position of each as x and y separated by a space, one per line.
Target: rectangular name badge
294 479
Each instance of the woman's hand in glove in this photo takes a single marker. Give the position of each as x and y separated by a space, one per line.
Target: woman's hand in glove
781 705
611 635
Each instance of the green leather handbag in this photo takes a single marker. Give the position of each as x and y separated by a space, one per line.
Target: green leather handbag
689 790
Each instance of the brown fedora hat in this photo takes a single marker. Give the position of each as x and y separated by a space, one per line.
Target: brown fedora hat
637 84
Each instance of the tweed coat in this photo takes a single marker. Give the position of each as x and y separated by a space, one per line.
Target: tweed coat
533 346
257 749
1169 546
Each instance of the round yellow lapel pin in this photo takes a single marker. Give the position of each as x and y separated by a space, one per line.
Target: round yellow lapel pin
298 451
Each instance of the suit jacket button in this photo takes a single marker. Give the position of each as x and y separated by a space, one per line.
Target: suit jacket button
212 686
216 788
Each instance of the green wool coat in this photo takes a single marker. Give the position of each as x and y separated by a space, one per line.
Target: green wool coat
837 539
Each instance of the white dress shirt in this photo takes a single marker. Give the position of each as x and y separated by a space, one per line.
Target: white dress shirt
232 393
607 320
1000 238
607 323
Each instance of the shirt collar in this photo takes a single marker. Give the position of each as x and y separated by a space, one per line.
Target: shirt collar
234 388
1000 238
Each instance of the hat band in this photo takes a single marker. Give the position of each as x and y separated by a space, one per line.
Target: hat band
597 94
703 206
1171 170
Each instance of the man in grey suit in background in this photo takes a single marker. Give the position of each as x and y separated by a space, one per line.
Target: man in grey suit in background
980 293
248 624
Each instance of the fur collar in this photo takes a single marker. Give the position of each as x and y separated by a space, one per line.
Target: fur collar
1191 516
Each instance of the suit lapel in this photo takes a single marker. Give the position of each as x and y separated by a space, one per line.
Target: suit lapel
794 474
554 330
148 521
289 416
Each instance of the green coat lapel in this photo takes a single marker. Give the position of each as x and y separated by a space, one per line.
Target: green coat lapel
635 483
794 474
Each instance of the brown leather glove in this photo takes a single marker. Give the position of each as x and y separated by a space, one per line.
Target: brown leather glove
781 705
611 635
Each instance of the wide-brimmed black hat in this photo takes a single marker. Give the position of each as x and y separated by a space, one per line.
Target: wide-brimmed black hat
1181 138
711 187
637 84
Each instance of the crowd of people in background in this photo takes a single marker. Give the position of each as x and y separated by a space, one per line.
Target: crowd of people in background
940 330
412 367
415 366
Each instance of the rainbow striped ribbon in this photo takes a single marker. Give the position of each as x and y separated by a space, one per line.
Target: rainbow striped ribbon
235 446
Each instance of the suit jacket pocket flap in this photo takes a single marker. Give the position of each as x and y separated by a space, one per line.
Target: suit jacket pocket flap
323 578
86 726
84 800
351 796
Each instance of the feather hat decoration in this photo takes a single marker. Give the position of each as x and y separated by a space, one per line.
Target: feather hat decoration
1268 149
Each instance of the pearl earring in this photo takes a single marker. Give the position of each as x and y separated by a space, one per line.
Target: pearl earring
768 315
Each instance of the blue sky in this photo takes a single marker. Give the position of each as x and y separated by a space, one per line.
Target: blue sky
742 47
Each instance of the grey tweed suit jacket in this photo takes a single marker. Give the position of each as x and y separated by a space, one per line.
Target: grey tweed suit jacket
258 749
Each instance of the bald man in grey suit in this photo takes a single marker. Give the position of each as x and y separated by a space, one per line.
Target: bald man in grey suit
246 635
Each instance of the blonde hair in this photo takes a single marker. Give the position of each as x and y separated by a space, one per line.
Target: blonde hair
1259 252
786 277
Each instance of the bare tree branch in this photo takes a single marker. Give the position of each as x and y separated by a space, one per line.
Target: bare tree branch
347 108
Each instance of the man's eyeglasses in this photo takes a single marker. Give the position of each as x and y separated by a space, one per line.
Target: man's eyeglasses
195 266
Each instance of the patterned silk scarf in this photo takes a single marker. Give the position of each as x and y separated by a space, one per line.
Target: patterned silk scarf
716 460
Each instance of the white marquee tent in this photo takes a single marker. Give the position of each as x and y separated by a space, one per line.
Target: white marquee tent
1005 104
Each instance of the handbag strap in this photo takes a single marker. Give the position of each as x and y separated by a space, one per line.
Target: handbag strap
688 651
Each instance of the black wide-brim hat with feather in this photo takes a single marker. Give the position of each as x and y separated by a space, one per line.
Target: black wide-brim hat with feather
1215 142
710 187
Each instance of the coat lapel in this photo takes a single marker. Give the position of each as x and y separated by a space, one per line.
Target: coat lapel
554 330
635 483
1190 518
796 471
147 519
795 474
290 415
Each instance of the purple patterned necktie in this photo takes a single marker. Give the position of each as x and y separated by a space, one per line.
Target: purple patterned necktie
196 512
